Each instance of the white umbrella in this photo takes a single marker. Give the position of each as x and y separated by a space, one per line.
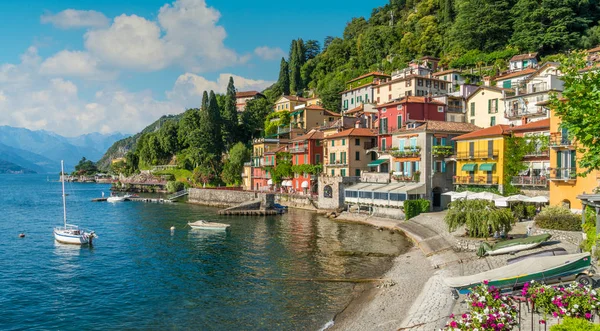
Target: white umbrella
304 184
484 196
501 202
450 193
289 183
461 195
270 182
517 197
538 199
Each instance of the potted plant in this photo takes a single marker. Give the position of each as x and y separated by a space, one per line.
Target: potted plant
417 176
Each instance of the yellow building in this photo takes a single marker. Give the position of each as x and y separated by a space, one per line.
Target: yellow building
345 152
485 107
480 157
565 185
312 116
288 102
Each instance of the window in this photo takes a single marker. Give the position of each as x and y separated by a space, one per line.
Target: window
413 143
296 159
436 84
366 98
287 106
419 82
408 93
357 157
439 166
380 195
365 195
356 142
357 172
383 144
390 87
397 196
455 77
343 142
331 158
332 143
317 158
440 109
343 157
305 159
492 120
378 90
399 121
506 84
343 172
472 108
383 125
445 78
443 86
390 97
408 83
332 173
427 83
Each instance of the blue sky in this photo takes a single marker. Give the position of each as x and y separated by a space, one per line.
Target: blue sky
81 66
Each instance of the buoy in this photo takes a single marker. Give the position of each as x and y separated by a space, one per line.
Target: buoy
173 228
21 235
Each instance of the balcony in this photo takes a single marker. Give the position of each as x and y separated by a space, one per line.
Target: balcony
386 130
539 153
369 145
298 150
564 174
406 179
337 164
518 112
442 151
408 152
475 180
539 181
557 140
268 163
247 164
486 154
458 110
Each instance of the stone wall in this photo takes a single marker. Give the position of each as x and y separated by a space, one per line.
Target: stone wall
220 198
573 237
297 201
336 185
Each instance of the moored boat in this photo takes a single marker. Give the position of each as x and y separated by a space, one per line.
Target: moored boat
115 199
549 252
548 269
513 245
205 225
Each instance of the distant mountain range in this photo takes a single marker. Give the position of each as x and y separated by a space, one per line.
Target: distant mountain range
41 151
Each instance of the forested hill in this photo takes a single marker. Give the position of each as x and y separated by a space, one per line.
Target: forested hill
462 33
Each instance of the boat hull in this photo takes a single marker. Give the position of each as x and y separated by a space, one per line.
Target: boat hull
516 248
65 238
209 226
115 199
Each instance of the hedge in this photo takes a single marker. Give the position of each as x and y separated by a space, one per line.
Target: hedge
558 218
413 208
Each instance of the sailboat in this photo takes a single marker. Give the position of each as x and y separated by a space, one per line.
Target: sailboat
69 233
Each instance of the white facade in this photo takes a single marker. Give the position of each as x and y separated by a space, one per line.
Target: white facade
412 86
355 97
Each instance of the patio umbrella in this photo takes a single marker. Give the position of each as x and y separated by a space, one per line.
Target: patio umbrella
461 195
517 197
484 196
450 193
501 202
538 199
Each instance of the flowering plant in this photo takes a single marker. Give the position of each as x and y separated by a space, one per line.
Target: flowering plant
573 300
490 311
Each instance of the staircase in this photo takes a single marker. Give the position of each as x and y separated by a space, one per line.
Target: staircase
178 195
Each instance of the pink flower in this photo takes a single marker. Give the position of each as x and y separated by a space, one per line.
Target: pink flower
554 314
453 324
486 282
588 316
500 325
542 322
464 315
452 315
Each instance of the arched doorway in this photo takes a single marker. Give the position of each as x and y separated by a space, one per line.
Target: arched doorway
437 197
566 203
328 191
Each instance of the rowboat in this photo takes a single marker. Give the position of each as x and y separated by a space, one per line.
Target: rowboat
549 252
513 245
547 269
204 225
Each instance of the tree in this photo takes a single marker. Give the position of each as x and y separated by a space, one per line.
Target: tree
229 118
297 59
327 41
234 165
481 217
515 150
313 48
577 108
284 167
191 121
253 118
168 136
485 25
284 77
85 167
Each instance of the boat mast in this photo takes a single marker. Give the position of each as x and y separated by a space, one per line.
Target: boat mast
62 179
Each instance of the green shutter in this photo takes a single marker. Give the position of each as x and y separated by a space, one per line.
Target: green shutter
573 159
507 84
559 159
489 106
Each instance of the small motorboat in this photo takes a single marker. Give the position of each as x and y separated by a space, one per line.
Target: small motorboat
115 199
549 252
513 245
205 225
547 269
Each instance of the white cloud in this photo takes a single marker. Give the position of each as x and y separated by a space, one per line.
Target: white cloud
73 19
186 34
79 64
189 87
269 53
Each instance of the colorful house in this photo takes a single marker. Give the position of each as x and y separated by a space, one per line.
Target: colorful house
453 76
242 98
523 61
307 149
513 79
565 184
263 158
360 90
288 102
345 152
480 157
393 115
485 106
308 117
409 86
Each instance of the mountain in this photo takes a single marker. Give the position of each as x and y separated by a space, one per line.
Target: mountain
45 149
11 168
121 147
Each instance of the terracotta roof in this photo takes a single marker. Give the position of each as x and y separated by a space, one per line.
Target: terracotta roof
312 134
509 91
358 87
594 50
496 130
439 73
295 98
314 107
517 74
373 73
357 109
277 150
354 132
409 99
524 57
246 94
330 113
532 126
440 126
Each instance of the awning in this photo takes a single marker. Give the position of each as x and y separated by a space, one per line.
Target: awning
486 167
469 167
377 162
297 112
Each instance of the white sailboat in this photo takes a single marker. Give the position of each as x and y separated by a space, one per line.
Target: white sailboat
204 225
69 233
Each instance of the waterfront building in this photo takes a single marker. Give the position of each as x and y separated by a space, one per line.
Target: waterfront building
242 98
308 117
345 152
288 102
307 149
360 91
263 158
411 85
534 180
532 93
480 157
523 61
565 184
486 107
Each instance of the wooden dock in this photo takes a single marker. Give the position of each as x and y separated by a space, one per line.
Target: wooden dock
246 212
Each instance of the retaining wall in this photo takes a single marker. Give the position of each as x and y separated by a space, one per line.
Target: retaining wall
573 237
220 198
296 201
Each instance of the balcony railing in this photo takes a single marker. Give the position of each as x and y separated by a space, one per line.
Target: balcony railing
442 151
539 153
519 112
298 150
408 152
387 130
247 164
486 154
475 180
541 181
565 174
558 140
454 109
337 164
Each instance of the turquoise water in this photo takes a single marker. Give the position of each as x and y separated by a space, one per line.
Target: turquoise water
139 275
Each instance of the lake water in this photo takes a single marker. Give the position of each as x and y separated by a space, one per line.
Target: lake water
138 275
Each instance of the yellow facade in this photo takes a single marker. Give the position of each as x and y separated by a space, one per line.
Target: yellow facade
288 103
485 107
346 156
481 152
565 186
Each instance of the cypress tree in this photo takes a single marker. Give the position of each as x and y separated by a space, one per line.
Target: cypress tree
230 117
284 77
204 104
215 125
296 61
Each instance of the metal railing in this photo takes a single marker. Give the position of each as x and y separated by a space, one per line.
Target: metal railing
558 140
530 181
475 180
520 112
298 150
563 174
538 153
485 154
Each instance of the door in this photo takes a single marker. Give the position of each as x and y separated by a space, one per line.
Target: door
490 149
489 177
437 197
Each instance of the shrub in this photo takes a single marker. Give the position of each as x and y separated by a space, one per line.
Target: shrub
481 217
174 186
572 300
589 227
575 324
530 211
519 211
413 208
558 218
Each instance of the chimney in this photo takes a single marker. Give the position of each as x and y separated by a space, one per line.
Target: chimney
487 81
357 125
523 120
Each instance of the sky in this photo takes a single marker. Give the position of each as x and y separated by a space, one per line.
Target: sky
81 66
